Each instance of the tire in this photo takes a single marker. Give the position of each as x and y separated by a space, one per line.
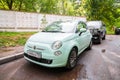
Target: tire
100 40
90 46
104 37
72 59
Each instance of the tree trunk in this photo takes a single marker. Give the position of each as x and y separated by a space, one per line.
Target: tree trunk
20 6
9 3
63 7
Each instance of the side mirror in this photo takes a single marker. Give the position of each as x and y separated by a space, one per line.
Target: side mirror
82 30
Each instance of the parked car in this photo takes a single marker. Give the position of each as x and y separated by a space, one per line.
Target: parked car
98 30
117 31
59 44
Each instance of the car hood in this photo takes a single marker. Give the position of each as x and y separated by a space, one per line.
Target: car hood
46 37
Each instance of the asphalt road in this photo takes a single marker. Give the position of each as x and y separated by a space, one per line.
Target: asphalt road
100 63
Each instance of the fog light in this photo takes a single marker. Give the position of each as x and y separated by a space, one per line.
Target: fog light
57 53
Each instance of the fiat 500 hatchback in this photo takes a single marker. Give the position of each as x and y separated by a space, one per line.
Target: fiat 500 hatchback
59 44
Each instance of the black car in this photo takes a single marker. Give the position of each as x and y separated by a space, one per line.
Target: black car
117 31
98 31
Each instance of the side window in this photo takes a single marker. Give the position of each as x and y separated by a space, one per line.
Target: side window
80 25
84 25
103 26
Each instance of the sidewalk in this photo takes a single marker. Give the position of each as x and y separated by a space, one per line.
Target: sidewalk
10 53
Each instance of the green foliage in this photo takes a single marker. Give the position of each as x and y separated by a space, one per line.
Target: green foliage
48 6
13 38
97 9
106 10
110 32
64 7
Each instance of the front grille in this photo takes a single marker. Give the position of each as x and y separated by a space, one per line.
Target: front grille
36 48
96 36
41 60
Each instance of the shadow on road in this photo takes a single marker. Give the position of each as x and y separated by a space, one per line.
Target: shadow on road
36 72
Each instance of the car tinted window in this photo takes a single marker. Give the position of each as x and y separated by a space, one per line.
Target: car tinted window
80 25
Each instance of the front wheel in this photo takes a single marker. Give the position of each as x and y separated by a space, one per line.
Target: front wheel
72 59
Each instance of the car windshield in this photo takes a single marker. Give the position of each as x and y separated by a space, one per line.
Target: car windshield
64 27
93 24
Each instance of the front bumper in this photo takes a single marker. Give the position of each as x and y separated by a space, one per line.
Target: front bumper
95 38
41 60
46 62
48 59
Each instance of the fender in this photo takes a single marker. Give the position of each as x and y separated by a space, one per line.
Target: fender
68 47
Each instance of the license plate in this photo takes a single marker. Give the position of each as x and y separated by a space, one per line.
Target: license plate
34 54
95 37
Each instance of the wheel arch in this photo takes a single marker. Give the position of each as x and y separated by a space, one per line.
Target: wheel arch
75 48
71 50
67 64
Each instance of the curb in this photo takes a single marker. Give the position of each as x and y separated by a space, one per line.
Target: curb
11 58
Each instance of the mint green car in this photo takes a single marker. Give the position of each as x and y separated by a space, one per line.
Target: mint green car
59 44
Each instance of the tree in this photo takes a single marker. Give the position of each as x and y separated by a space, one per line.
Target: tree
7 4
48 6
11 4
101 10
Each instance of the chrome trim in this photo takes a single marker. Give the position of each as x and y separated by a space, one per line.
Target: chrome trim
34 47
40 49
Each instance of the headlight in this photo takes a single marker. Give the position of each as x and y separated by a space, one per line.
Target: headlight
56 45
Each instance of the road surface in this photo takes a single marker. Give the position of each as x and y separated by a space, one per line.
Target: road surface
100 63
